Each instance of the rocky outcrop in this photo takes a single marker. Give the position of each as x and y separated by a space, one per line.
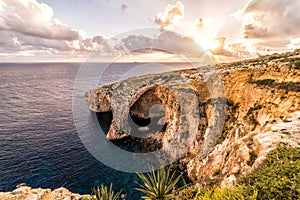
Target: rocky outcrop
24 192
237 156
263 111
236 112
184 97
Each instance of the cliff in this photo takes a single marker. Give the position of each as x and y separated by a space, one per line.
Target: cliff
238 113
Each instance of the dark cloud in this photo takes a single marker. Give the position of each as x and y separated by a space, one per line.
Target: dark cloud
17 42
124 7
253 31
166 41
272 45
136 42
271 18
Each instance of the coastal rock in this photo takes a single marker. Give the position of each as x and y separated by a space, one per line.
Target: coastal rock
239 156
27 193
242 110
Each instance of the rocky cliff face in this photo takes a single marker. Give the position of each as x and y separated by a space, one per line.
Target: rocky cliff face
236 113
263 111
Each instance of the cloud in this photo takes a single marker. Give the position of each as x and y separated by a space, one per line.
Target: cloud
228 52
294 44
124 7
72 2
221 48
199 22
265 19
171 15
29 26
32 18
270 25
168 42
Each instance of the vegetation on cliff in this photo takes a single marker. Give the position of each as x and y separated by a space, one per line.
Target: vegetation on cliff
278 177
104 193
158 185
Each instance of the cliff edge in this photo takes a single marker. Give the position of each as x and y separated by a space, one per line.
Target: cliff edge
241 112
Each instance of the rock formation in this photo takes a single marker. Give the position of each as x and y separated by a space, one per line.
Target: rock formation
235 113
24 192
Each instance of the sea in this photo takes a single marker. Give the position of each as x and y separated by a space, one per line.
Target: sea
39 143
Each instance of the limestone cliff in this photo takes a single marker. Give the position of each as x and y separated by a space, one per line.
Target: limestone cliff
264 96
241 112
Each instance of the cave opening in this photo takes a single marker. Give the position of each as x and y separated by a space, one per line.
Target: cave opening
147 115
139 121
146 119
104 120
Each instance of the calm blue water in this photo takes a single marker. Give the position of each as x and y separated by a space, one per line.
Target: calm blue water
39 144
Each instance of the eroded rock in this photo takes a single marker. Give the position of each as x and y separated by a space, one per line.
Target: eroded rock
27 193
238 106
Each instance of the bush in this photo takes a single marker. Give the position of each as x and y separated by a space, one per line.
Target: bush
159 185
277 178
217 193
279 175
225 193
102 193
265 82
297 65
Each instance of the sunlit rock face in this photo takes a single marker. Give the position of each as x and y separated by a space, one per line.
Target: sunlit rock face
263 110
177 109
24 192
228 112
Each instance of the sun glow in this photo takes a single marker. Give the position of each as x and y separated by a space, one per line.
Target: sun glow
206 44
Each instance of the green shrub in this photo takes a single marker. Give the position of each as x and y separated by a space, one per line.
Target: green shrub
297 65
288 86
265 82
187 194
216 171
217 193
102 193
279 175
158 185
277 178
225 193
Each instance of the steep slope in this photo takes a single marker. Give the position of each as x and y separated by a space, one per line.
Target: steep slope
234 114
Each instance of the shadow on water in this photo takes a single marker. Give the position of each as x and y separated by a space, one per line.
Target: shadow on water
137 125
104 119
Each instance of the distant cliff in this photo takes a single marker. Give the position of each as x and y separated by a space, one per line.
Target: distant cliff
255 103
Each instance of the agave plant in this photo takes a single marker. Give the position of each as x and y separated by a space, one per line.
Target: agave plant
158 185
102 193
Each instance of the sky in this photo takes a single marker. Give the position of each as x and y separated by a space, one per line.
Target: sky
72 30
